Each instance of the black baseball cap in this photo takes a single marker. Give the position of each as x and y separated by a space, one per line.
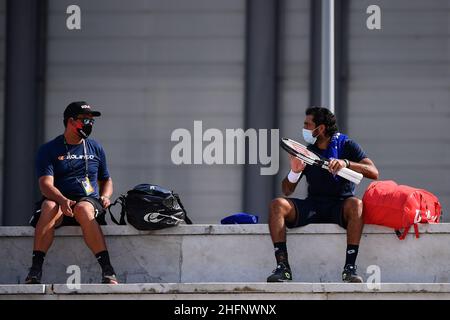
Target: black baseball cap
79 107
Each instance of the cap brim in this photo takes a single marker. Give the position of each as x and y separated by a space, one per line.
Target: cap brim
92 113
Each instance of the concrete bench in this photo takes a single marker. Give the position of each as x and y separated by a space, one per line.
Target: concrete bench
227 291
230 253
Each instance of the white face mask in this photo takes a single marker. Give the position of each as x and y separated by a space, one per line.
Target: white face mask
308 136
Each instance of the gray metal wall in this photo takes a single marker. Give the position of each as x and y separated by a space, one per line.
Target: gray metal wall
399 101
2 89
294 77
152 67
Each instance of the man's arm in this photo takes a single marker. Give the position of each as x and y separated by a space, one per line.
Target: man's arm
290 182
106 191
287 187
48 190
366 167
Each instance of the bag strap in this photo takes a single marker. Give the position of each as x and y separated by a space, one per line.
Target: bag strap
438 211
416 230
186 218
120 200
402 235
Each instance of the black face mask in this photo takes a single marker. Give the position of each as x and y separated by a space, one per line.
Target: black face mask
86 128
85 131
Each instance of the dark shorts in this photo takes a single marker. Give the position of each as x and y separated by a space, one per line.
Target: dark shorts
310 211
71 221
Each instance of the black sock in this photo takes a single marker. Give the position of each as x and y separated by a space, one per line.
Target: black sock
103 260
38 260
281 253
352 253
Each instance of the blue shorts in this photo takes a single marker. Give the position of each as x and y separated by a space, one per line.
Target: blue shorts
310 211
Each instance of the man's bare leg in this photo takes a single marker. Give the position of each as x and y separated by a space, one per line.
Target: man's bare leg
51 216
353 215
281 211
94 238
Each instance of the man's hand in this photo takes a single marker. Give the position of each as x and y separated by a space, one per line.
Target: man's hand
297 165
106 202
66 207
335 165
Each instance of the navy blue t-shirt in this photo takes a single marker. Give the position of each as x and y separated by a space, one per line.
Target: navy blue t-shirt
52 160
322 184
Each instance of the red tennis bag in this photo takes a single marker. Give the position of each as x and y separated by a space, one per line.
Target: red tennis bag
398 206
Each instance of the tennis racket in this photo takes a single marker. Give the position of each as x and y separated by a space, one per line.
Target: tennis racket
301 152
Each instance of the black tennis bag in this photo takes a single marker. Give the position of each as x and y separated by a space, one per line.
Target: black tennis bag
150 207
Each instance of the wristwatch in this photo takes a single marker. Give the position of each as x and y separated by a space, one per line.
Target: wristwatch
347 163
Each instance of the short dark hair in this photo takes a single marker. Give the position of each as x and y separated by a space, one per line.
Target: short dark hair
324 116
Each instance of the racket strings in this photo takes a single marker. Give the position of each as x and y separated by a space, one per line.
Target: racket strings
302 150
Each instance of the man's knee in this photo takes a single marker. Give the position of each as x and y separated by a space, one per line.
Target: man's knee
84 212
280 206
49 210
48 206
353 208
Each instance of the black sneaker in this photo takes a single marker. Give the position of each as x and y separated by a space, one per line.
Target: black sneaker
281 274
349 274
34 276
109 277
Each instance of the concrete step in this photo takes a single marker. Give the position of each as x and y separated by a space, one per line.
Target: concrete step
231 253
228 291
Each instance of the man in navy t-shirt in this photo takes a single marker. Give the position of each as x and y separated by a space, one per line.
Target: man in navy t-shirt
330 198
76 187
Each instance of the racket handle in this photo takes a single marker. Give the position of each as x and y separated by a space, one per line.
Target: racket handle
350 175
